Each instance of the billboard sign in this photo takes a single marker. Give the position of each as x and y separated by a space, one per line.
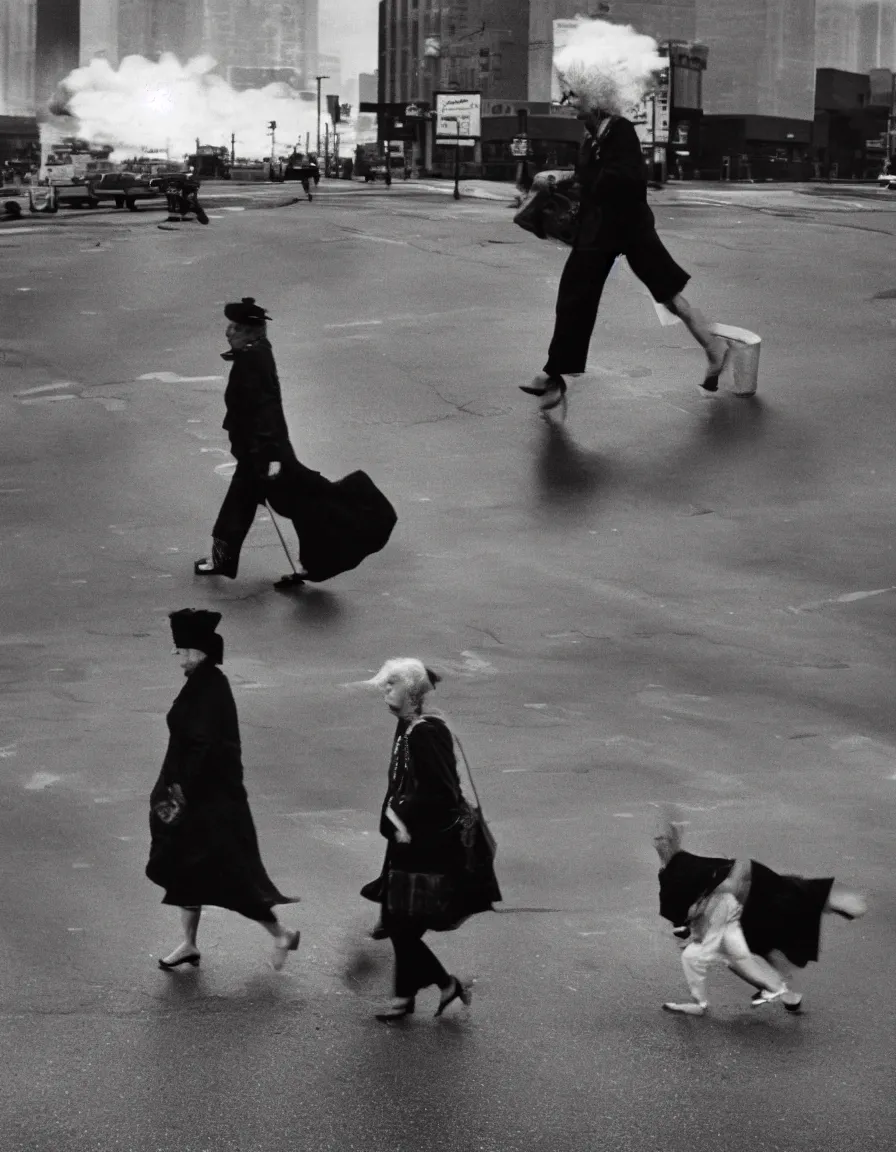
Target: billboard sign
463 108
651 115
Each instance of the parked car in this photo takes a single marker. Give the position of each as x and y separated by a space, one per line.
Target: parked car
124 189
888 180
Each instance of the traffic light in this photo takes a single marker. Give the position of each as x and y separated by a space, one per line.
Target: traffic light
272 124
334 109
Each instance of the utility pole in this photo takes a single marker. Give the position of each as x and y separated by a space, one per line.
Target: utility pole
319 79
232 148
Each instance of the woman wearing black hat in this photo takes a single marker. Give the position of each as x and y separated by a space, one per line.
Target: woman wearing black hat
338 523
204 846
259 438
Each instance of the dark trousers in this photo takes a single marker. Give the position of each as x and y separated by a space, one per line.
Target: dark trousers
246 492
578 298
416 966
582 283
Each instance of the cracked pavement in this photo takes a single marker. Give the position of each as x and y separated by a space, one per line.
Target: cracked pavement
668 599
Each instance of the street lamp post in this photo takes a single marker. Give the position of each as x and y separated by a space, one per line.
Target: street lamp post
319 79
456 120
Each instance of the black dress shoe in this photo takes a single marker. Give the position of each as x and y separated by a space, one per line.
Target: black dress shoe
193 959
460 992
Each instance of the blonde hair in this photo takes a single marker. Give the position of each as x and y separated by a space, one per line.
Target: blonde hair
608 67
413 673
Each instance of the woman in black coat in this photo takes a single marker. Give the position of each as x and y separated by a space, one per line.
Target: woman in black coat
433 876
614 220
204 846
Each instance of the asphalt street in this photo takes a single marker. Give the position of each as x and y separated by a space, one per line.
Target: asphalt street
667 599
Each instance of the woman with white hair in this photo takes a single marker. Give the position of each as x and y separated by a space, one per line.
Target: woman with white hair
428 879
604 70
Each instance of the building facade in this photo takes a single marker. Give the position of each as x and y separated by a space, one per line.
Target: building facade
428 46
18 35
855 35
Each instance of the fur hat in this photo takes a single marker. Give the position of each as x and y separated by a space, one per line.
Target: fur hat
608 67
195 628
246 312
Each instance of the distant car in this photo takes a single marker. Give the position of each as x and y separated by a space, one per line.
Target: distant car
888 180
123 188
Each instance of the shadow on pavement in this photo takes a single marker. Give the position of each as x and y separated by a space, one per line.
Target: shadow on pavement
317 606
566 474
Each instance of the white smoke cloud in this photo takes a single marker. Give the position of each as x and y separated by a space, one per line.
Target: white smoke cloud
608 66
161 104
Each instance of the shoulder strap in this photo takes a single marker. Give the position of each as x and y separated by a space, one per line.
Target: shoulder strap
463 755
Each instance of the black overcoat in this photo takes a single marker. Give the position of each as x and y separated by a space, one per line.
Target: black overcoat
210 855
254 420
424 792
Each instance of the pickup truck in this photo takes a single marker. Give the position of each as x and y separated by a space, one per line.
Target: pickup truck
124 189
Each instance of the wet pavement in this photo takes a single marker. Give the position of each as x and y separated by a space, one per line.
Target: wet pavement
668 598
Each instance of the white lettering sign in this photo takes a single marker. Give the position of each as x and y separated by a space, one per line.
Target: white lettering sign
458 114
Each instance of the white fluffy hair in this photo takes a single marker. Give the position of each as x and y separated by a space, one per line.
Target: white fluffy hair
609 67
413 673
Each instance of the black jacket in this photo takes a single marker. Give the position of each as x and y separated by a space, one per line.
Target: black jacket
255 421
613 185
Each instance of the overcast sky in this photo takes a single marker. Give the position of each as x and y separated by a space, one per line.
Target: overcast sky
349 27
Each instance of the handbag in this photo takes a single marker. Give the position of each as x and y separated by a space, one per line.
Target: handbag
551 210
171 810
479 827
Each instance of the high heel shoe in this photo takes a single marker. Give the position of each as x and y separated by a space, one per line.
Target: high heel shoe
193 959
710 382
397 1011
460 992
550 389
280 950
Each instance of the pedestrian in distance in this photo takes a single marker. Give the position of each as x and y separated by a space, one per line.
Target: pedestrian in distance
604 70
204 845
435 874
762 923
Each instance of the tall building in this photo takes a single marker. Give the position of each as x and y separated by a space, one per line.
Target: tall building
18 34
855 35
762 57
426 45
57 44
150 27
257 42
99 31
329 64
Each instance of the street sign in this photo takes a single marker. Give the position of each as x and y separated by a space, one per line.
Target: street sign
520 146
465 111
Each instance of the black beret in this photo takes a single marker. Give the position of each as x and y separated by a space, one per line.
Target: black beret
246 312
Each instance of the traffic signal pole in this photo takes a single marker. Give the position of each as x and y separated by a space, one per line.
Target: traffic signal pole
319 79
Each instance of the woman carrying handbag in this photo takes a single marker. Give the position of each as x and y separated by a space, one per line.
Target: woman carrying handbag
438 868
